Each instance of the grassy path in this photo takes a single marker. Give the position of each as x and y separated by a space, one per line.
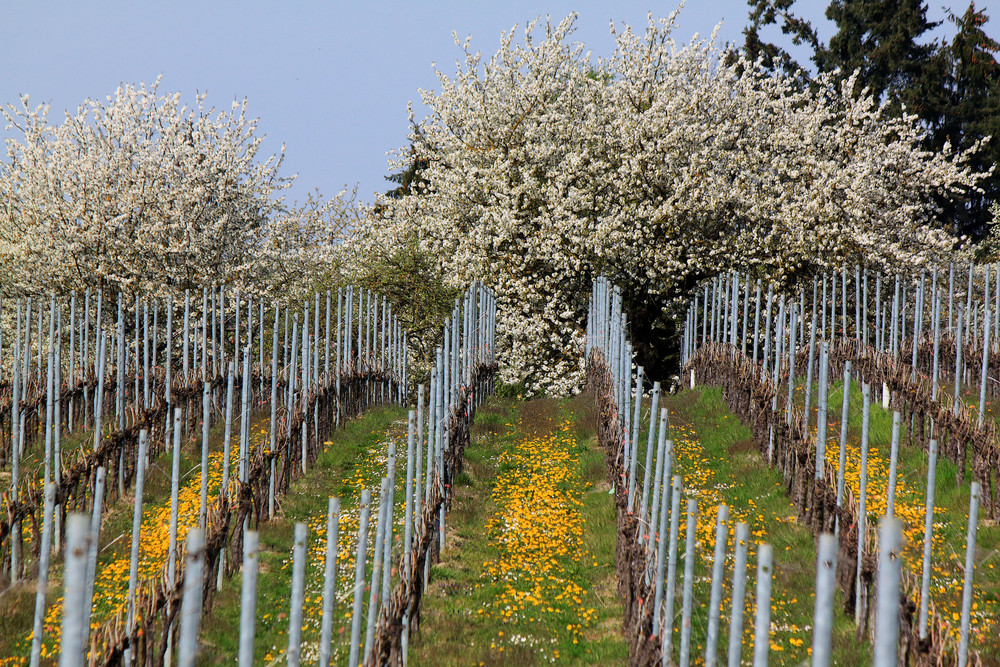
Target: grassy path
719 463
527 575
951 511
111 584
356 458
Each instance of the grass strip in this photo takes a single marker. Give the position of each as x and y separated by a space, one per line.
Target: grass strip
527 576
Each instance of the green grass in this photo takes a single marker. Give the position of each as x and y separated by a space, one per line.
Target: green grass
951 501
716 456
330 475
454 629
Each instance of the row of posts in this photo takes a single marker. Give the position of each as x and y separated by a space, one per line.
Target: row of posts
376 348
723 308
468 344
147 358
921 308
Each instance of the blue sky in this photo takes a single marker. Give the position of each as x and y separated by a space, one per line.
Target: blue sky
329 80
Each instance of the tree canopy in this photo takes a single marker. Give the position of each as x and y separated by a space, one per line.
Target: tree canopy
671 164
139 192
952 86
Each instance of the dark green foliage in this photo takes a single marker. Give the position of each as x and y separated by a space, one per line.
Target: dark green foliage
415 287
973 111
952 87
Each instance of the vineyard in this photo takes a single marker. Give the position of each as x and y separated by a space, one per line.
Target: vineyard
820 482
684 354
90 447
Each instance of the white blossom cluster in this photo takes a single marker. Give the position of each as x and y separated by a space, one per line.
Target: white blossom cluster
658 166
140 193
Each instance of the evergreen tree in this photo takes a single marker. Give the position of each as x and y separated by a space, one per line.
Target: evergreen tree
973 111
769 12
881 39
953 88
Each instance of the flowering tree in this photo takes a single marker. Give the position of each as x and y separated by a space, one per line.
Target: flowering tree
141 193
658 166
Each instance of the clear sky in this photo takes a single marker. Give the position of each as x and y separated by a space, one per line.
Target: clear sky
330 80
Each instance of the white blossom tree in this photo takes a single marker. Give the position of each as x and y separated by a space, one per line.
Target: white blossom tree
659 166
139 192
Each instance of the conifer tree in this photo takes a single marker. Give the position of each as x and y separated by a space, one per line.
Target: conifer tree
953 87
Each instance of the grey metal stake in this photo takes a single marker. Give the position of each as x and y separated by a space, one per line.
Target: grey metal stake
792 335
271 480
767 326
145 355
756 322
879 314
833 305
894 324
374 599
824 367
951 296
739 594
668 612
893 464
408 517
175 475
844 415
294 653
389 511
958 360
133 567
968 302
206 400
43 574
15 543
359 577
864 311
937 344
746 313
387 527
93 543
996 293
843 301
431 437
248 598
918 317
925 581
194 577
985 368
822 330
826 569
734 310
329 580
658 477
633 444
812 356
168 363
779 353
890 564
661 553
227 436
187 332
862 496
688 596
75 589
762 621
420 439
704 318
718 575
649 458
970 568
49 398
